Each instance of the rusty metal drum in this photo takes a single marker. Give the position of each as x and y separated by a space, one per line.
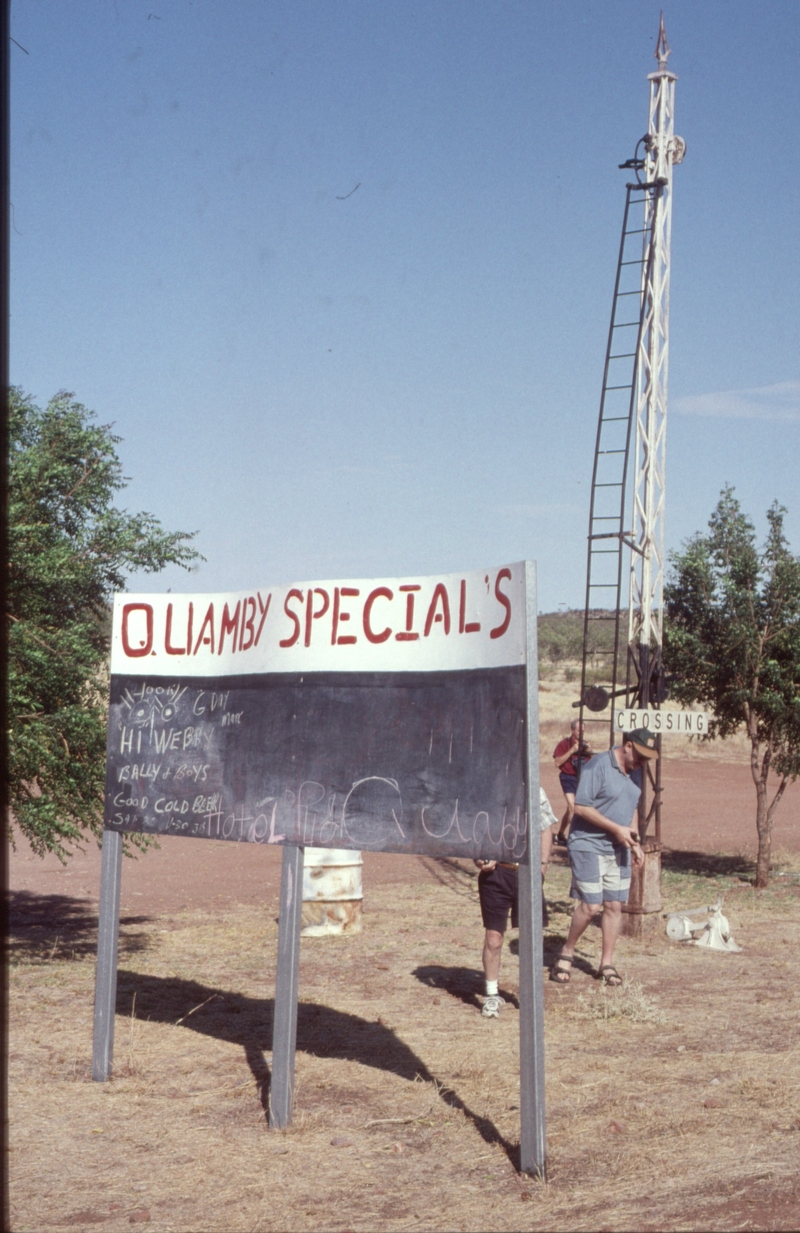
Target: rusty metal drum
332 892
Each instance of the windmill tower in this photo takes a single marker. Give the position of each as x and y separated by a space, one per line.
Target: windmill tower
625 569
663 150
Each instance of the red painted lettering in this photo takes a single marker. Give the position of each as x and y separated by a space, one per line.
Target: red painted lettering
348 593
439 594
407 635
145 644
189 620
263 609
293 594
378 593
230 625
247 624
169 648
207 639
465 626
311 615
505 601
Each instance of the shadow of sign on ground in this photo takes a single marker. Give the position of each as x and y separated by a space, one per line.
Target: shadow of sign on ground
322 1032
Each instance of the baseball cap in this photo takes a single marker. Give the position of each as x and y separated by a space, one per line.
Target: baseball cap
643 741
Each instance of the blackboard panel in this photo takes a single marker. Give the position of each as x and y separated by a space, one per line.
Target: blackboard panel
429 762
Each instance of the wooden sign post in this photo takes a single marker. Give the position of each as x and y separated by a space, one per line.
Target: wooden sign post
397 715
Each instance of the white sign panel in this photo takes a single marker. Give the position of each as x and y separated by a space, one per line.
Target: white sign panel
426 624
687 723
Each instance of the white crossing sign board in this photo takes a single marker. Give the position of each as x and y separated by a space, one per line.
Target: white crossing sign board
686 723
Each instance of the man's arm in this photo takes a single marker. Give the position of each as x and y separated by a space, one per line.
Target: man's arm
620 834
547 848
566 757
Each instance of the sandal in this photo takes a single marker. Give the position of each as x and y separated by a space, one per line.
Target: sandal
560 975
609 975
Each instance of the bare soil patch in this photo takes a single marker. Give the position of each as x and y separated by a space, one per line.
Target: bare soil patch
708 807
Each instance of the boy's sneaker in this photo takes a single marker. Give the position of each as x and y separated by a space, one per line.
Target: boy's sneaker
491 1007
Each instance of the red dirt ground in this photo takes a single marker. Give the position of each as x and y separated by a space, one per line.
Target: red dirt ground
708 807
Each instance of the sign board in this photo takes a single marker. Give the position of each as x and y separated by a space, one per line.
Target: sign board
685 723
386 714
398 715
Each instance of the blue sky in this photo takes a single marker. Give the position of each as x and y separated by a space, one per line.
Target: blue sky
400 377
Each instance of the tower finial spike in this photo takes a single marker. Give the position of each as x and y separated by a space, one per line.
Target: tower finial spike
663 49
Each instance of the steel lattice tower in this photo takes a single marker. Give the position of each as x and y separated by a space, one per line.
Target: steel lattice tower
625 565
663 150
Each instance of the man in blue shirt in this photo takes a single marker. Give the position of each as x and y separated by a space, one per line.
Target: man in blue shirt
601 845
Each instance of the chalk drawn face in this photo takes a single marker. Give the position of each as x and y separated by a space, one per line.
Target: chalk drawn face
370 800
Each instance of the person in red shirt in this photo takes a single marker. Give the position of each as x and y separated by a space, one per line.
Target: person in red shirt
568 755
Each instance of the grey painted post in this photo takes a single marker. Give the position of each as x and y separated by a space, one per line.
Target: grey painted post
105 993
533 1141
284 1020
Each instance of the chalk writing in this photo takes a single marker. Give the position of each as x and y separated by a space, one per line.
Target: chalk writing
409 763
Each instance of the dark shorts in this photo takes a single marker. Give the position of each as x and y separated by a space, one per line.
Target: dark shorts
498 893
569 783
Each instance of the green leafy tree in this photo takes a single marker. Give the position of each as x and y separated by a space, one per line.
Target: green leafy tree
732 640
70 549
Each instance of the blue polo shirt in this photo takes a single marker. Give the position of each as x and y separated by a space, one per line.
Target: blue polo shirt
614 794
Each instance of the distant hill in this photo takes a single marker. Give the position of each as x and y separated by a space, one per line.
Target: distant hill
561 634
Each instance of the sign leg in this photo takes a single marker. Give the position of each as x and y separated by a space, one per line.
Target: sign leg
284 1022
533 1141
105 996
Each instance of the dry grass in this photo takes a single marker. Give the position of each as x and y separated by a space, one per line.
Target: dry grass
627 1001
676 1107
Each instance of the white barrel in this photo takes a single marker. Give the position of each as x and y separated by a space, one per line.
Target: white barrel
332 893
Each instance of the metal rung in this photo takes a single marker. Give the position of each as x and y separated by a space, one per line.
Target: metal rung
602 586
605 518
641 231
621 293
614 485
615 419
611 451
641 261
620 387
623 325
626 355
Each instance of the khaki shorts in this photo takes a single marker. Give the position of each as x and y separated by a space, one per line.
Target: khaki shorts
598 877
